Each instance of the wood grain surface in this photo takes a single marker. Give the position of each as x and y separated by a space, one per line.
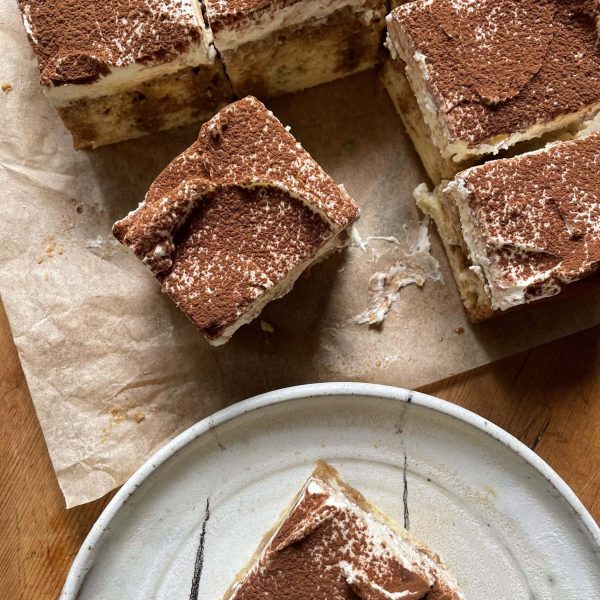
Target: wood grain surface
548 397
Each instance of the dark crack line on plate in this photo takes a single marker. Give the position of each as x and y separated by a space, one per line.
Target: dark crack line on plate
218 440
405 494
199 563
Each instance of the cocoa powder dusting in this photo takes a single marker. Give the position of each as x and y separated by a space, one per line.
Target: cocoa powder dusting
539 215
225 14
499 66
234 215
77 41
234 247
245 142
325 549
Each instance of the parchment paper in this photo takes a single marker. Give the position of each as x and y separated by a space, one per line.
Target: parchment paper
115 370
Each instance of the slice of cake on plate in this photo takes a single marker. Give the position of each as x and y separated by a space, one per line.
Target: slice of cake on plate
333 543
119 69
232 222
271 48
521 229
484 75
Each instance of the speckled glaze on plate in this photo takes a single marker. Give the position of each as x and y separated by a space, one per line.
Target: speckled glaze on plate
505 523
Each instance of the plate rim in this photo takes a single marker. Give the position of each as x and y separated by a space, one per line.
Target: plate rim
85 556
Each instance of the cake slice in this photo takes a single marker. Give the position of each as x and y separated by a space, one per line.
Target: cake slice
232 222
489 74
520 230
270 48
119 69
333 543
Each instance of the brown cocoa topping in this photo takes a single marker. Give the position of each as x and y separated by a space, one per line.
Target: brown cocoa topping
539 214
234 215
77 41
325 549
500 66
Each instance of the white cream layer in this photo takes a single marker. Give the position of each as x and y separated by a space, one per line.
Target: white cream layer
127 74
265 24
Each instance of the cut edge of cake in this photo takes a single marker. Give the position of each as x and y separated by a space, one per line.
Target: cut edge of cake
297 45
394 80
470 286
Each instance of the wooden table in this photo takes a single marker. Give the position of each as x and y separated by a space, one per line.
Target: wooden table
548 397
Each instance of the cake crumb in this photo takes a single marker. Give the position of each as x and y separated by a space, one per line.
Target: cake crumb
117 414
53 247
265 326
138 417
6 87
459 330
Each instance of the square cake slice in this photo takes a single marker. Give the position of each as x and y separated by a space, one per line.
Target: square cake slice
119 69
232 222
488 74
333 543
271 48
521 229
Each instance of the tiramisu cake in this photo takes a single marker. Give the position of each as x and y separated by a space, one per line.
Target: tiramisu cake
118 69
270 48
334 544
521 229
232 222
473 77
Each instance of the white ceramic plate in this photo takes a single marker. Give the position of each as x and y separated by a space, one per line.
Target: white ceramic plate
507 525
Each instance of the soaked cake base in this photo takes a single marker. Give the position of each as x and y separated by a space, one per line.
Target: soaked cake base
193 94
301 56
